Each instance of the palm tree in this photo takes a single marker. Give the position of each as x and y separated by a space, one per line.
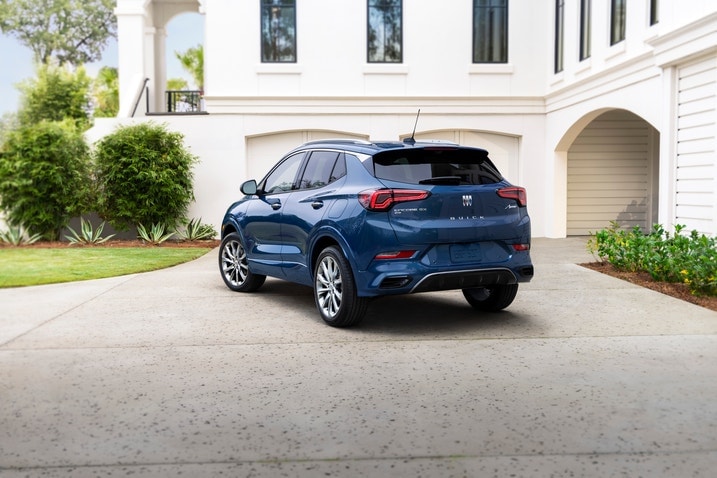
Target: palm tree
192 61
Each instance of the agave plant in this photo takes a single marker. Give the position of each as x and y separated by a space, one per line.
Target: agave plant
17 236
156 235
88 235
196 231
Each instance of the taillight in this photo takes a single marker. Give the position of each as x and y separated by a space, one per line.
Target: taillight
384 199
514 192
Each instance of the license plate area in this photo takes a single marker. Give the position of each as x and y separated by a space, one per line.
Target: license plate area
466 253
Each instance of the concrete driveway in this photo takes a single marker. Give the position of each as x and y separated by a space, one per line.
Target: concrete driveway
170 373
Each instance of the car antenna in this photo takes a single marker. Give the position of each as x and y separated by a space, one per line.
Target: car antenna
412 140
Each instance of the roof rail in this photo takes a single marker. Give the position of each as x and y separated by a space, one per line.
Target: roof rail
339 141
437 141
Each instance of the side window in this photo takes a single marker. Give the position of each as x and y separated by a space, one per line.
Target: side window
318 169
339 170
278 31
281 179
490 31
385 31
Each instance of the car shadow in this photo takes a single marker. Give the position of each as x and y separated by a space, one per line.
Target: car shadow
438 314
434 313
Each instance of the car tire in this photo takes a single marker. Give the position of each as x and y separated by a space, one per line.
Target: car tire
234 266
335 290
491 299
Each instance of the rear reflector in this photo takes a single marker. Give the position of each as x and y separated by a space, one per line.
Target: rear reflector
514 192
394 255
521 247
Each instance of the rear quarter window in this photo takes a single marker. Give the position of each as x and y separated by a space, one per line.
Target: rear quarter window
436 166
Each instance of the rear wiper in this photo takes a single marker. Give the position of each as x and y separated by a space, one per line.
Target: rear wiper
444 180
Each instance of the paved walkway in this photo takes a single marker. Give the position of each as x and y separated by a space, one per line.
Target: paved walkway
170 373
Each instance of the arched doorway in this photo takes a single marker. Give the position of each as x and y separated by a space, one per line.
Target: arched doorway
612 174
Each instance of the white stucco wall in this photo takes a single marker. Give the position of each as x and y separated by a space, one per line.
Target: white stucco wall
331 87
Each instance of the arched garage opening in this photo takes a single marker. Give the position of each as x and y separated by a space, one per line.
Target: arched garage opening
263 151
612 174
502 149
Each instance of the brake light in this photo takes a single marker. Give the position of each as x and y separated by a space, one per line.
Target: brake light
384 199
514 192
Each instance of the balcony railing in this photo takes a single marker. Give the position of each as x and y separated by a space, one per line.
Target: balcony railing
184 101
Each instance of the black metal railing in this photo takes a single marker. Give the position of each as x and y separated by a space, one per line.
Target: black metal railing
184 101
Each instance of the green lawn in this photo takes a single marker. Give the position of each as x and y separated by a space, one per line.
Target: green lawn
25 266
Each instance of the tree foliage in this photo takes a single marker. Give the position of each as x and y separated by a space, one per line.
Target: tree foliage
192 61
70 31
144 176
56 94
44 176
177 84
105 91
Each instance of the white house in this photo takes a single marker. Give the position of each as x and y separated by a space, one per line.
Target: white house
603 109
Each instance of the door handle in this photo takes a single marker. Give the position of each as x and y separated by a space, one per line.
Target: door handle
317 204
276 205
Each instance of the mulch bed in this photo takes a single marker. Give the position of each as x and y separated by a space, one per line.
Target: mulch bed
643 279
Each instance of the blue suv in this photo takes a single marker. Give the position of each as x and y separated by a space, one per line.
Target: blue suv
356 220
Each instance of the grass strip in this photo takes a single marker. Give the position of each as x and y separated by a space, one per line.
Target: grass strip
36 266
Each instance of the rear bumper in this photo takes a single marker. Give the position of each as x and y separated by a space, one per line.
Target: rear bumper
464 280
407 277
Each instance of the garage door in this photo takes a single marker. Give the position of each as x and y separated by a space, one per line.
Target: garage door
696 201
612 174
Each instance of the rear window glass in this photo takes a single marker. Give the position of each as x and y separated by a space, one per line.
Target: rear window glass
436 166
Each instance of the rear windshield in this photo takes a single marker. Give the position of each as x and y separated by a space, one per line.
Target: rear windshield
435 166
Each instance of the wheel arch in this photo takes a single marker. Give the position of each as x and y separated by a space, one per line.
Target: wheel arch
326 239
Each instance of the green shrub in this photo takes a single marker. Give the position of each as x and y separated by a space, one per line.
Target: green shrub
87 234
44 176
144 176
16 236
194 230
155 235
690 259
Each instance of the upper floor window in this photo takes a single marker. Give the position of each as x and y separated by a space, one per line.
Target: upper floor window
654 12
278 31
385 31
559 34
490 31
585 25
617 21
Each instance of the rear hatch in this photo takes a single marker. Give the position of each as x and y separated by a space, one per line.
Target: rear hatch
468 201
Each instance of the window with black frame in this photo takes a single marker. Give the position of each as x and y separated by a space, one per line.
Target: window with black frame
654 12
385 31
617 21
278 31
585 29
559 34
490 31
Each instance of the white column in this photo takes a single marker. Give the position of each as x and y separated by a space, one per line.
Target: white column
131 22
160 69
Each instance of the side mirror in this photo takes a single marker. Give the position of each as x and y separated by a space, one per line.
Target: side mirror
249 187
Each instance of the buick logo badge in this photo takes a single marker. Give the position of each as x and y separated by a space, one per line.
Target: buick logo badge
467 200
